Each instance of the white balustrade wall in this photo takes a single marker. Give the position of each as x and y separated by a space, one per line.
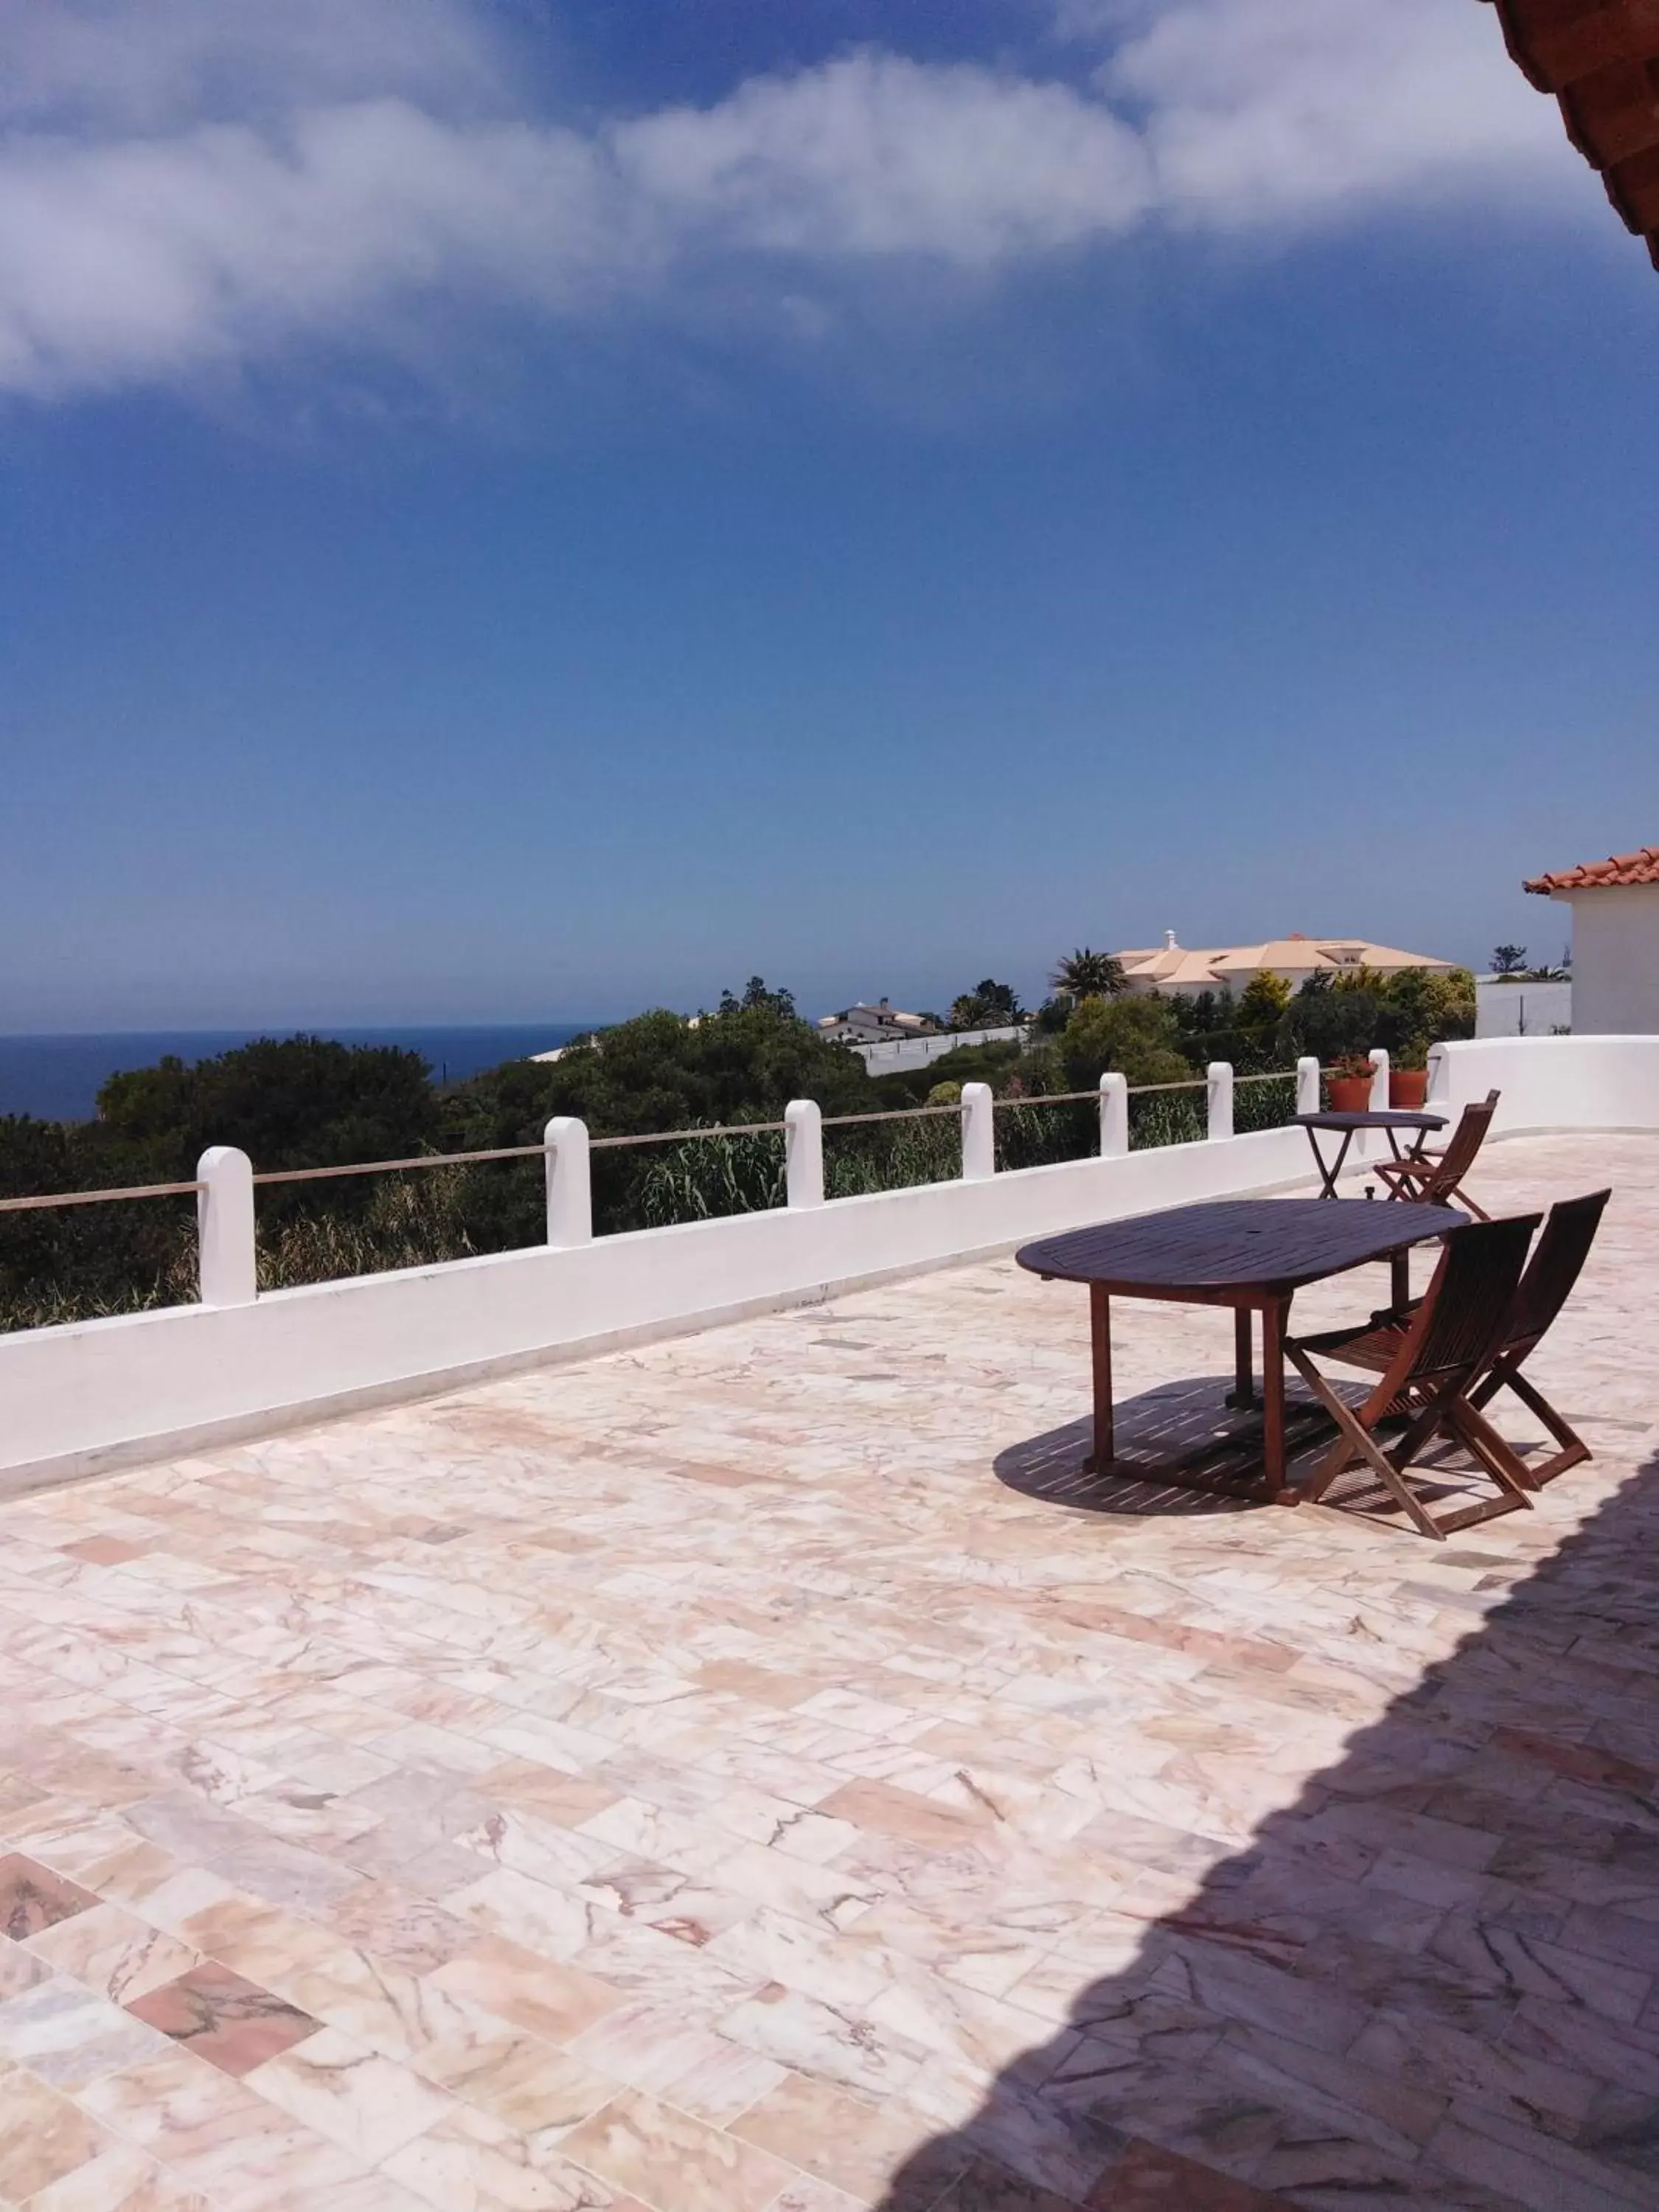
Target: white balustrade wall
95 1394
1551 1083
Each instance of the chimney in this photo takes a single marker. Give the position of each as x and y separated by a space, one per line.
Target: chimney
1169 941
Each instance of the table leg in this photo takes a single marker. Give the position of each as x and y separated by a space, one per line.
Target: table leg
1100 1336
1400 1279
1244 1390
1273 1315
1328 1176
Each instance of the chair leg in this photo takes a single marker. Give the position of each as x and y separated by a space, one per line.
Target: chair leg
1448 1413
1507 1469
1444 1411
1461 1197
1355 1441
1489 1385
1574 1450
1398 1177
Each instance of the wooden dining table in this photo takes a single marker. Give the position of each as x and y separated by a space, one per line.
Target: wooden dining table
1252 1255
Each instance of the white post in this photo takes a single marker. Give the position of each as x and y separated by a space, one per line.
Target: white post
1379 1080
979 1139
802 1143
1307 1085
226 1245
1440 1092
1113 1116
569 1181
1219 1075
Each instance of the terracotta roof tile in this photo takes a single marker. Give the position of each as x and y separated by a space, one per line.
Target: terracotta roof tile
1616 873
1600 60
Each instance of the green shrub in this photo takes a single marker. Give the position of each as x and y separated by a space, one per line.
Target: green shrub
1133 1036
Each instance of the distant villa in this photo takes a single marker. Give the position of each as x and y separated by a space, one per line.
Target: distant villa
879 1024
1229 968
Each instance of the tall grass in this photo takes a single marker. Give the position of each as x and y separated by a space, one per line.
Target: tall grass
708 1177
410 1221
891 1156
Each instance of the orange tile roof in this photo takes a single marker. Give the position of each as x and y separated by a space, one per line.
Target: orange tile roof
1600 60
1617 873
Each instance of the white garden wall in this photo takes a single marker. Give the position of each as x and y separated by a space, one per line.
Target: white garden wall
105 1393
1552 1083
97 1395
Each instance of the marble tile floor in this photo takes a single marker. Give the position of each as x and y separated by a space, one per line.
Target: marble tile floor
757 1773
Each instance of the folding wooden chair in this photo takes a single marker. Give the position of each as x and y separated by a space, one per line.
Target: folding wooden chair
1554 1267
1427 1370
1435 1178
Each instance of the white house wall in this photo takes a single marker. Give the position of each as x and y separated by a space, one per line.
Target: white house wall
1615 961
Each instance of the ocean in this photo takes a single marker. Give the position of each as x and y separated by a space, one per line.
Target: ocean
58 1078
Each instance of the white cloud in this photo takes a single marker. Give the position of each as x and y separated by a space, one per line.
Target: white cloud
874 154
148 63
190 182
1263 111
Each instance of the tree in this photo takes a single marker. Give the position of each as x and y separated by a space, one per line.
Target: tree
1132 1036
1261 1004
989 1005
287 1102
1197 1013
1421 1006
1508 959
756 995
744 1062
1330 1018
293 1102
1086 974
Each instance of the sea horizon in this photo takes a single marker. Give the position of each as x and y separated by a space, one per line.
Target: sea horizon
56 1074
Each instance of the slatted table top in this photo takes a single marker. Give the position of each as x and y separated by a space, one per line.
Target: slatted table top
1237 1244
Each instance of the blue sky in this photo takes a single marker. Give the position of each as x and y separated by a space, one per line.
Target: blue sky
537 509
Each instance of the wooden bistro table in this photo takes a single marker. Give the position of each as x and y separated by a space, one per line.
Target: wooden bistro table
1391 1118
1250 1254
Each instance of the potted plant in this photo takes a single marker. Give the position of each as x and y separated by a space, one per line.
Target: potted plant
1409 1075
1348 1083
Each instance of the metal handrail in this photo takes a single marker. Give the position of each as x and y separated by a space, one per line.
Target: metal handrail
1049 1098
675 1136
891 1114
595 1144
1140 1090
97 1197
384 1167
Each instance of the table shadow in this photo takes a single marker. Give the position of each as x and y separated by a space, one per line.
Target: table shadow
1185 1422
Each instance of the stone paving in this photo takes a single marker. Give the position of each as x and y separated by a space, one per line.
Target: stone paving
757 1773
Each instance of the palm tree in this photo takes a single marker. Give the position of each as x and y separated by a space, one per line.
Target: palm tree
1087 974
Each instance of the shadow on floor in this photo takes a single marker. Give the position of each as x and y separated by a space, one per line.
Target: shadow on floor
1179 1423
1188 1422
1430 1982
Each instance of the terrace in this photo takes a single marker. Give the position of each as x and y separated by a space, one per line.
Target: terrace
751 1771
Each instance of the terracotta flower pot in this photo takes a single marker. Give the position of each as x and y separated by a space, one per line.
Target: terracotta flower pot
1408 1087
1350 1094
